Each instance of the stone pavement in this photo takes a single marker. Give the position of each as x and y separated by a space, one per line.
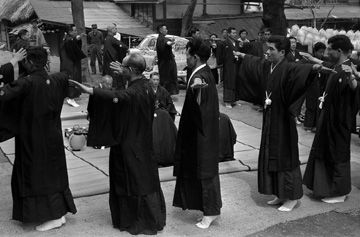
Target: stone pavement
244 210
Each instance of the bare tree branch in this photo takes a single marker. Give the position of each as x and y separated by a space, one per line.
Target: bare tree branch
327 17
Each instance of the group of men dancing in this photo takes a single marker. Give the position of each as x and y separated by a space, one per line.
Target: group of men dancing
122 119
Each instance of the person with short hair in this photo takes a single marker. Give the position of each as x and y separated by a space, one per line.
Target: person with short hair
122 119
212 61
278 85
230 66
30 112
36 37
114 50
71 55
328 172
314 91
293 55
166 61
243 34
164 129
96 40
197 146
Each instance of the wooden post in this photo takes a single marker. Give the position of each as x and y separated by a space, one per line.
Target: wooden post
204 8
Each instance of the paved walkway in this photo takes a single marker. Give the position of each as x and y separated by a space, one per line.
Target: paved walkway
244 210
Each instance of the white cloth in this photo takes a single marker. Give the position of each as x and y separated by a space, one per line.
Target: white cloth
117 36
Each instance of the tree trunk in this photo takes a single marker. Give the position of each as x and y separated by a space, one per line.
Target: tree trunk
188 18
274 16
77 9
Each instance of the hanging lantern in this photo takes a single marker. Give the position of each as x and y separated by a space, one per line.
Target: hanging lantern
342 32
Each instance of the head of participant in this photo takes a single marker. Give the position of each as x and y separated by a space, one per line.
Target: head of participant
243 34
339 48
194 33
267 34
293 42
36 59
319 50
232 33
278 47
197 53
133 66
94 26
162 29
111 29
224 33
23 34
34 23
154 79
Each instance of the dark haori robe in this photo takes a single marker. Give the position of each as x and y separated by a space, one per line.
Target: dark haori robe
230 70
167 65
279 166
136 200
293 57
71 55
312 102
164 129
227 138
39 182
328 169
197 149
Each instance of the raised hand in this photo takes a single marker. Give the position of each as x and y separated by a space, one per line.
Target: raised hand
117 67
198 84
18 56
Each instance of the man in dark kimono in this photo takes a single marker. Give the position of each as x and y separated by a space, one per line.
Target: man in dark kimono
197 146
230 67
71 55
39 182
279 85
220 52
114 50
314 92
164 129
96 40
123 120
328 169
166 62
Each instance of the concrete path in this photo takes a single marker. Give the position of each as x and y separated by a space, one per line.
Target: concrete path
244 210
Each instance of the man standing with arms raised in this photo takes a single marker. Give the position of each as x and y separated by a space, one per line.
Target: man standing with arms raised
197 146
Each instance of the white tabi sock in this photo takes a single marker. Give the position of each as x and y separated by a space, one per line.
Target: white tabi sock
332 200
206 222
288 205
49 225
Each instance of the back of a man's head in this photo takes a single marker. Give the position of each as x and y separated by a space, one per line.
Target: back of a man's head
37 56
280 42
341 42
137 62
200 48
